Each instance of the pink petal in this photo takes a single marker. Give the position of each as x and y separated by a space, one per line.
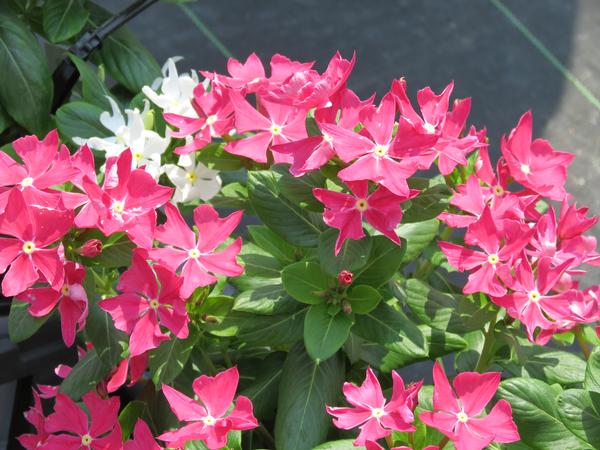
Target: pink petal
146 334
175 231
103 412
184 407
475 390
20 276
224 262
498 422
9 250
212 230
216 393
139 278
48 262
348 418
253 147
242 415
67 416
443 395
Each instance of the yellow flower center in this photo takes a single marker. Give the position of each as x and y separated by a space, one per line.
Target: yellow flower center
377 413
525 169
137 155
190 177
118 207
65 290
493 259
429 128
327 138
380 150
275 129
28 247
154 304
194 253
498 190
462 417
27 181
209 420
534 296
210 120
361 204
86 439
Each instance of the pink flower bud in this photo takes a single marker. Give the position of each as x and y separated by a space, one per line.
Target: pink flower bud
345 278
91 248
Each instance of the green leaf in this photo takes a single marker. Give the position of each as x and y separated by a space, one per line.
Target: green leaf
442 310
305 388
264 383
536 415
418 236
430 202
299 190
442 343
259 263
343 444
129 416
5 120
128 61
591 381
306 282
79 119
25 80
21 324
393 330
579 411
100 330
168 360
116 252
273 244
215 157
383 263
294 224
93 89
84 376
64 19
363 299
324 333
266 300
352 256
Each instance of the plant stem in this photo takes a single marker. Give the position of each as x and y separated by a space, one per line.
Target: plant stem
578 331
443 442
411 440
389 441
488 345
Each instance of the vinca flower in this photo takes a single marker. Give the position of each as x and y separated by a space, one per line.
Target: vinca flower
176 91
192 180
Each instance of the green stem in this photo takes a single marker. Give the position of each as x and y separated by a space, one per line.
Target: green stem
443 442
578 331
488 345
389 441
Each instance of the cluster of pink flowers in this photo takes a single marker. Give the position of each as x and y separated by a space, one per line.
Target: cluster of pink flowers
526 260
457 413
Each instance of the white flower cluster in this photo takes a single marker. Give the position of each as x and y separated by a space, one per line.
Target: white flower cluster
173 93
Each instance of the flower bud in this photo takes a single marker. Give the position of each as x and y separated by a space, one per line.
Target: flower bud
345 278
91 248
346 307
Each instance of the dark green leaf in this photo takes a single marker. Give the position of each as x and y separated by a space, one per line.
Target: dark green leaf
86 374
299 189
353 254
363 299
108 342
430 202
129 416
215 157
592 372
418 236
21 324
25 80
93 89
579 411
168 360
305 388
64 18
442 343
294 224
384 261
272 243
267 300
80 119
324 333
262 388
259 263
344 444
306 282
5 120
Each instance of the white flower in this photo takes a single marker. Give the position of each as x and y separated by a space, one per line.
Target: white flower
146 145
176 91
192 180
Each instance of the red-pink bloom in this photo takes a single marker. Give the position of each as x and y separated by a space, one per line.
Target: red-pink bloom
28 253
196 255
100 432
531 301
281 124
90 248
499 249
142 438
126 202
346 211
371 445
71 299
377 155
45 164
370 411
207 418
345 278
536 165
458 412
35 416
150 298
135 365
450 149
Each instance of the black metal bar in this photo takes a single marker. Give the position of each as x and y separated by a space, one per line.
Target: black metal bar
21 402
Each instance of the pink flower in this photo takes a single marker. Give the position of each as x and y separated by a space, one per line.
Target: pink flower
376 154
90 248
498 251
196 256
530 300
142 438
126 202
35 416
536 165
135 365
346 211
71 299
33 230
458 412
371 445
370 411
150 298
44 165
208 420
345 278
280 124
100 432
